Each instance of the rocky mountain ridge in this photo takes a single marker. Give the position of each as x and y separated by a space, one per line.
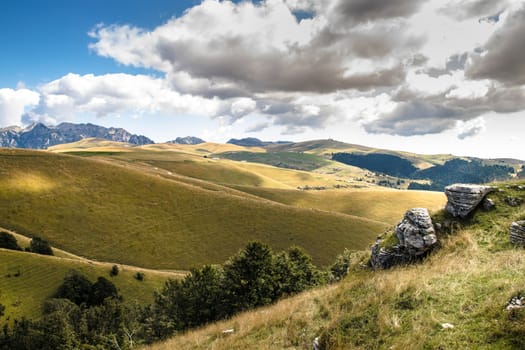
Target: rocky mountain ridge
188 140
40 136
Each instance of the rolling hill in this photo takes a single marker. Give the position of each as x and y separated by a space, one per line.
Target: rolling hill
118 213
27 280
455 299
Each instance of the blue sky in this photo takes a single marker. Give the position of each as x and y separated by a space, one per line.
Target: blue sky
44 40
432 76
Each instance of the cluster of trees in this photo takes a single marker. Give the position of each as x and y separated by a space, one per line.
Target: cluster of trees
383 163
92 315
460 171
37 245
452 171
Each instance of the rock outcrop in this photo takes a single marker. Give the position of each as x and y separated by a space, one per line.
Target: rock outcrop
416 237
513 201
464 198
517 233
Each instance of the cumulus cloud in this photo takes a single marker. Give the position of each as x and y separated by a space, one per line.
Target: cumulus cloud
470 128
399 67
414 118
504 56
225 49
258 127
486 9
115 94
14 104
359 11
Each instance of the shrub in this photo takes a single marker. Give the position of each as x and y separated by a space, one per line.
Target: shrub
341 266
40 246
139 276
76 287
100 290
8 241
114 271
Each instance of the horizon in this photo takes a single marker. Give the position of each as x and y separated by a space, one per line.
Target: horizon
271 141
427 77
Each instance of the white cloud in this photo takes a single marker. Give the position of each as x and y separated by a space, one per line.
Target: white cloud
393 67
470 128
242 106
113 94
14 103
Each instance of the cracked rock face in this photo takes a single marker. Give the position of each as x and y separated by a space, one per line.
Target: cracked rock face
517 233
416 237
416 232
464 198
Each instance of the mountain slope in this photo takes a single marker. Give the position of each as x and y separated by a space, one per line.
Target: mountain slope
39 136
456 299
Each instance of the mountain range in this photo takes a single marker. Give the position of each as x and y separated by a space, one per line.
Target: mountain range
40 136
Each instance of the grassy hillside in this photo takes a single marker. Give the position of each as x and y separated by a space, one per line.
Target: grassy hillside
467 284
27 280
288 160
379 204
115 213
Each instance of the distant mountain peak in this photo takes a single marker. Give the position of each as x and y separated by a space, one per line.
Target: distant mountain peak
40 136
188 140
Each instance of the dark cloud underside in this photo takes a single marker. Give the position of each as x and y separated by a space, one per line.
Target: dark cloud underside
505 57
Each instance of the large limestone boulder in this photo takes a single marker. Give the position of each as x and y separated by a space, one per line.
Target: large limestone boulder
464 198
416 237
517 233
416 232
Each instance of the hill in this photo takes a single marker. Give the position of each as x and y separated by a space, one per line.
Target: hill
119 212
27 280
40 136
455 299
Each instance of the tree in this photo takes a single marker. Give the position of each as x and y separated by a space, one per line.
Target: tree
295 272
249 278
40 246
8 241
100 290
195 300
341 265
304 274
76 287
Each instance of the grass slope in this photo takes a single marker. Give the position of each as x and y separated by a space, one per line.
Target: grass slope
27 280
288 160
115 213
378 204
467 283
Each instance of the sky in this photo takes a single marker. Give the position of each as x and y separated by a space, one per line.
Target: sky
426 76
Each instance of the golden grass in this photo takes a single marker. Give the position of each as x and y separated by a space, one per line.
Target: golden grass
124 214
203 148
398 309
92 145
384 205
285 325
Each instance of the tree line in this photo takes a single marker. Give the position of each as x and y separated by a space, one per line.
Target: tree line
86 315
